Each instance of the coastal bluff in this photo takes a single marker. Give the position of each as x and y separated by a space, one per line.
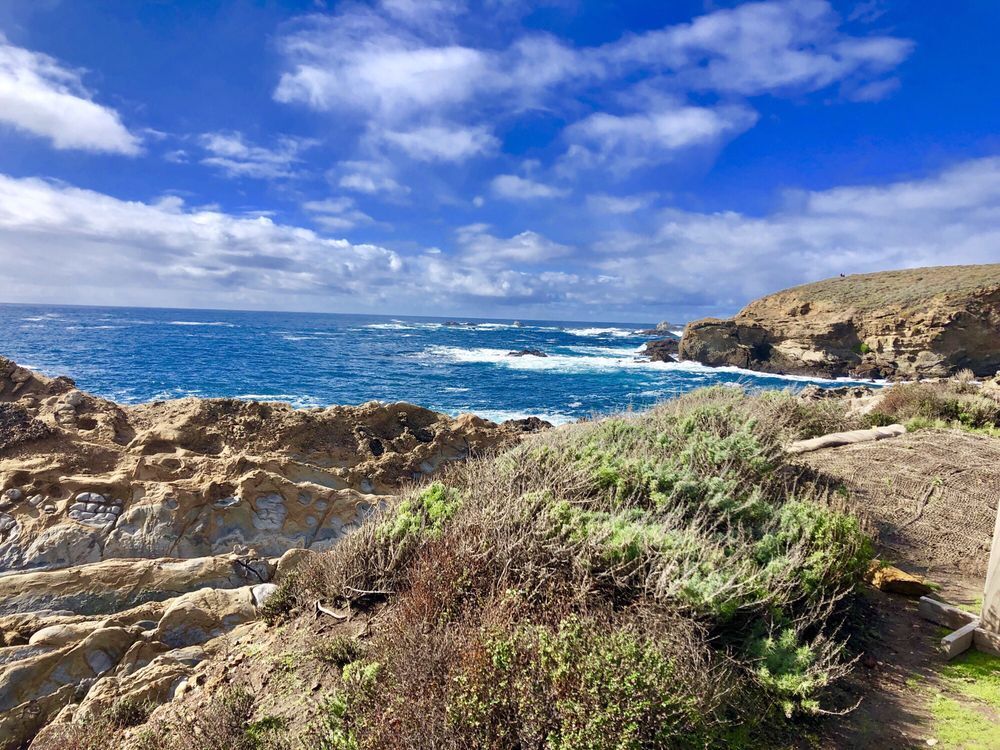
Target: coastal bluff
908 324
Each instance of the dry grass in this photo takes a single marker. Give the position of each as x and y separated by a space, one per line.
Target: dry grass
959 403
654 580
875 290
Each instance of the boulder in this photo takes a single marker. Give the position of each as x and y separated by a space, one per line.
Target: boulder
662 350
527 353
892 580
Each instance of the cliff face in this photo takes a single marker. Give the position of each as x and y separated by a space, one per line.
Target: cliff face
925 322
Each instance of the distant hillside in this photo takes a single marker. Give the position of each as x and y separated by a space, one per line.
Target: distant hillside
922 322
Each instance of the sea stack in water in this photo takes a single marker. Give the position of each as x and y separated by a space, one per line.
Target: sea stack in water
922 322
662 350
527 353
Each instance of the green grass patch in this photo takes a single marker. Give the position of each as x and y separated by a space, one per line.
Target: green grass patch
961 727
975 675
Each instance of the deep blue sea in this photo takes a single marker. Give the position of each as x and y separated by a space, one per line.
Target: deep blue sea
139 354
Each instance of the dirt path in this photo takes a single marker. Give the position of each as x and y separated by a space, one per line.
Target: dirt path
930 498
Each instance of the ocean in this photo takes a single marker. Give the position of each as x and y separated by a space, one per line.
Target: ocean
133 355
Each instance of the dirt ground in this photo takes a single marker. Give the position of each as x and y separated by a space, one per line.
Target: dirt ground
931 499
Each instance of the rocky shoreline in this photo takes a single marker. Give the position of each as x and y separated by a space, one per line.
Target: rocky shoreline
132 537
916 323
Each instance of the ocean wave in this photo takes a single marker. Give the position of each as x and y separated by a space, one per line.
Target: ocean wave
399 325
554 362
609 351
502 415
697 367
571 364
217 323
616 332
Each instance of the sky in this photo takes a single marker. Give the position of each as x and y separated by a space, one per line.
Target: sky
562 159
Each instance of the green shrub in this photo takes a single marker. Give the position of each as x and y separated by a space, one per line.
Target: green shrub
787 668
280 604
576 687
427 513
339 650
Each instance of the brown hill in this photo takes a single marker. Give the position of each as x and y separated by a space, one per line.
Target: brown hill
923 322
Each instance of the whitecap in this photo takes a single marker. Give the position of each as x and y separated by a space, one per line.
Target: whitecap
570 364
617 332
502 415
201 323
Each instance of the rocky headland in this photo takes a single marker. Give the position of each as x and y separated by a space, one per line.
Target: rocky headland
915 323
132 537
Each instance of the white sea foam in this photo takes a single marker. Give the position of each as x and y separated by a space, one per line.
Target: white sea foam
502 415
595 363
399 325
554 362
617 332
217 323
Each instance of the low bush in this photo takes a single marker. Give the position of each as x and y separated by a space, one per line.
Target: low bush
956 403
645 581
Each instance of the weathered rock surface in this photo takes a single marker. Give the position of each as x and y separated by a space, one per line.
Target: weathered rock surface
133 539
924 322
83 479
662 350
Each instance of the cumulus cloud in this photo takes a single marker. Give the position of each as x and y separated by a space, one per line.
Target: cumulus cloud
337 214
230 153
761 47
482 248
513 187
371 177
725 259
403 62
442 143
652 136
62 241
58 241
41 96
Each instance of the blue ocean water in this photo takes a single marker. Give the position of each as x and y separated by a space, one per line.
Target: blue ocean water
133 355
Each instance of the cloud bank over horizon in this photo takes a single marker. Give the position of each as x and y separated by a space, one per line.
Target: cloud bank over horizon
499 159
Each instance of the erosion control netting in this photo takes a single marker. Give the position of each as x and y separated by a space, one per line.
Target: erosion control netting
931 496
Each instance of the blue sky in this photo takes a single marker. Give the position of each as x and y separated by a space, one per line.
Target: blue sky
568 160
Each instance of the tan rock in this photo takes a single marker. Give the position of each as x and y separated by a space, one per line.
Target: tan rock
892 580
202 615
923 322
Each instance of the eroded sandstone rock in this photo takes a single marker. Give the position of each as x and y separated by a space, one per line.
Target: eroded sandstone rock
925 322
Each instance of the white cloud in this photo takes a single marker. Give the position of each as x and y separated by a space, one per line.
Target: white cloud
39 95
63 243
442 143
369 177
401 68
725 259
512 187
230 153
337 214
761 47
481 248
655 135
619 204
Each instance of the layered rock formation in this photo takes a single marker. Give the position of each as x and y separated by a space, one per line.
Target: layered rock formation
132 537
925 322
